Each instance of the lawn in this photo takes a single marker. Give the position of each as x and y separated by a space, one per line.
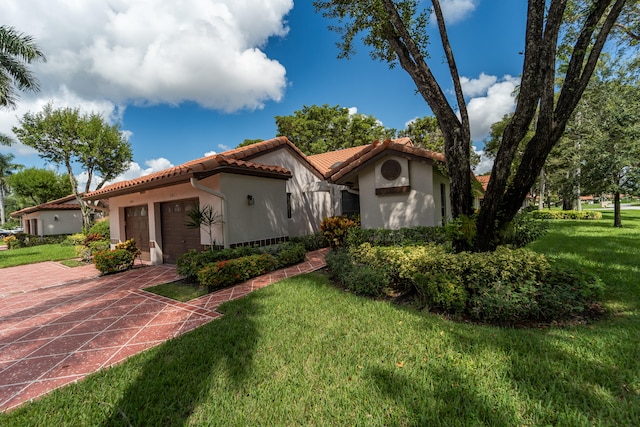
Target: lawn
301 352
33 254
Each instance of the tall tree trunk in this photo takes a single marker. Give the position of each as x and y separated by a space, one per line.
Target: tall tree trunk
2 210
617 218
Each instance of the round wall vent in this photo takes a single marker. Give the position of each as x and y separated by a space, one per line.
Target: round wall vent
391 169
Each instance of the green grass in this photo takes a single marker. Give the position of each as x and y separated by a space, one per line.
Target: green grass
179 291
301 352
33 254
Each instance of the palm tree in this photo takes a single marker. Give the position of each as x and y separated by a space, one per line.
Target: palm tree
16 51
6 170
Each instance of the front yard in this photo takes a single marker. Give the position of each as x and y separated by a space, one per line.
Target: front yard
303 352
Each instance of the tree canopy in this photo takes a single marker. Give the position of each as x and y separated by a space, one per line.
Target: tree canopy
16 51
318 129
34 186
65 136
395 32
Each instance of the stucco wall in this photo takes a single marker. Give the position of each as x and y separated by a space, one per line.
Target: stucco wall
265 219
56 222
308 205
393 211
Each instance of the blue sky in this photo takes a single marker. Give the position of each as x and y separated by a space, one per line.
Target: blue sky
184 83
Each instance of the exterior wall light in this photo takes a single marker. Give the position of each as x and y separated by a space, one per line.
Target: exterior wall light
250 200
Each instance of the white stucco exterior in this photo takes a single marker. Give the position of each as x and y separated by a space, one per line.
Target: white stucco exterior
310 196
52 222
413 199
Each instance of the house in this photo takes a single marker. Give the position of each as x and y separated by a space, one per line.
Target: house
61 216
270 191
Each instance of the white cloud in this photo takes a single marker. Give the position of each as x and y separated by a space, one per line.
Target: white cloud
210 153
149 52
456 10
479 86
497 100
485 164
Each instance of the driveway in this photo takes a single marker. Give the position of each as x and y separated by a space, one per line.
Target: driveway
59 324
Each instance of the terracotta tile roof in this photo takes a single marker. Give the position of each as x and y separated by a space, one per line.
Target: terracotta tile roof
378 148
53 205
323 162
484 181
228 161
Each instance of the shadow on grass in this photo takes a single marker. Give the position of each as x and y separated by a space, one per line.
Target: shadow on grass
180 374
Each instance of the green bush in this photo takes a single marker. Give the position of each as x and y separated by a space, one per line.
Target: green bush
101 228
113 261
441 291
290 254
401 237
74 239
190 263
524 229
505 286
361 279
334 230
98 246
311 242
587 215
229 272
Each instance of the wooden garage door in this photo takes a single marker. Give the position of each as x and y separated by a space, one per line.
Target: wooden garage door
136 226
177 238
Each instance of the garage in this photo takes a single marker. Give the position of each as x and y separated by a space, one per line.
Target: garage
177 238
136 227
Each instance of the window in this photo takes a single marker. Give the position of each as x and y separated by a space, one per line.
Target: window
289 206
350 204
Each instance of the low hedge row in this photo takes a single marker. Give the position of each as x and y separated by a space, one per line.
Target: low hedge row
567 214
223 268
503 287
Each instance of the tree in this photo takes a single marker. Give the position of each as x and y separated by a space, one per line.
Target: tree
7 168
396 33
65 136
319 129
612 155
37 186
16 50
425 133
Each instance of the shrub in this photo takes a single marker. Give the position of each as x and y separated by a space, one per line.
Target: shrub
442 291
189 263
98 246
334 230
524 229
290 254
311 242
590 215
505 286
113 261
361 279
74 239
401 237
228 272
130 246
101 228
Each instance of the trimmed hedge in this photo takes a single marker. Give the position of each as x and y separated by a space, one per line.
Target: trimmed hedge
401 237
503 287
567 214
216 269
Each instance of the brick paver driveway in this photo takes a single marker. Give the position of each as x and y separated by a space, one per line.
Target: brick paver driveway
59 324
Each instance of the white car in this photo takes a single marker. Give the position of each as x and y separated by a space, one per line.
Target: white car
5 233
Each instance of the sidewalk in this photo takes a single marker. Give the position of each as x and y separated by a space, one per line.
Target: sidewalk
58 331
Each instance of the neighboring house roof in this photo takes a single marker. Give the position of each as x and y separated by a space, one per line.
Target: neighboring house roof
229 161
402 147
483 180
325 161
64 203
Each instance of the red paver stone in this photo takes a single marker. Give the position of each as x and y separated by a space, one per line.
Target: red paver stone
60 324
